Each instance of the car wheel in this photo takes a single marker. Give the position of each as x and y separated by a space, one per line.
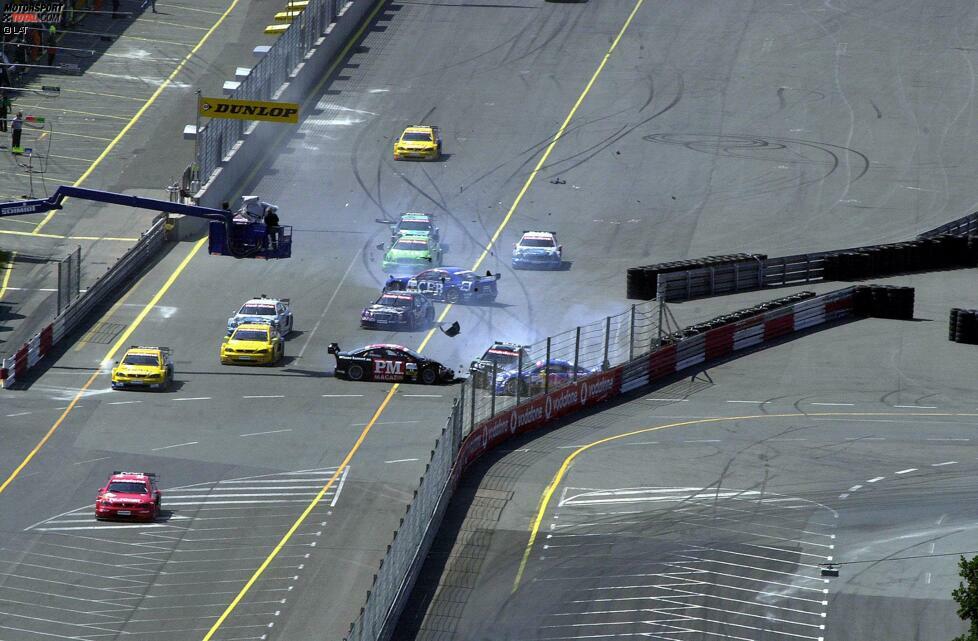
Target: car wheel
355 372
429 376
511 388
451 296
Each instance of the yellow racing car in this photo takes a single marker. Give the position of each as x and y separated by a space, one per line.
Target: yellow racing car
143 367
253 344
421 142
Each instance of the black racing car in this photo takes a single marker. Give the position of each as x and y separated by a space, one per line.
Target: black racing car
384 362
398 310
505 356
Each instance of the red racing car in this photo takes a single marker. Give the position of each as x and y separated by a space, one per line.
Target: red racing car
129 495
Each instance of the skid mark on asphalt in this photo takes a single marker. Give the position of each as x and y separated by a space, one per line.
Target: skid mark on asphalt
169 579
657 561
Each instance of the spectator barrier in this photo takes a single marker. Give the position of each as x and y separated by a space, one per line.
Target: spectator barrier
121 273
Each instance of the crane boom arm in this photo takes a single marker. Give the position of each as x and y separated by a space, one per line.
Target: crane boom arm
38 206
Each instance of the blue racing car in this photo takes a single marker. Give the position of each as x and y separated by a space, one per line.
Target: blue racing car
532 381
449 285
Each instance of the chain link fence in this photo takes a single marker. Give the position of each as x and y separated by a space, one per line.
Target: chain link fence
512 374
216 138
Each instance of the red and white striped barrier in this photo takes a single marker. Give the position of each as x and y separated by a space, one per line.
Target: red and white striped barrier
665 361
30 353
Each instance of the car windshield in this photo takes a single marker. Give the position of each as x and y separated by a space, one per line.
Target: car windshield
537 242
501 356
407 244
250 335
140 359
257 310
414 225
127 487
416 136
394 301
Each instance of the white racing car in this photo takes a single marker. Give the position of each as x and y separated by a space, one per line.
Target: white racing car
277 312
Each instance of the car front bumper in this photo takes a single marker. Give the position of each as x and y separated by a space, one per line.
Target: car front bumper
247 359
427 154
124 512
526 262
138 383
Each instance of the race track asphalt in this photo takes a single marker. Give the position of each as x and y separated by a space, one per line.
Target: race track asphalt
684 146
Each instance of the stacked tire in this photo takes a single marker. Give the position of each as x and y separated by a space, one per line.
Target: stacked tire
642 283
884 301
923 254
963 326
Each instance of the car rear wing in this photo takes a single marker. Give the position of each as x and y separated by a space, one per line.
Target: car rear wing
165 350
151 475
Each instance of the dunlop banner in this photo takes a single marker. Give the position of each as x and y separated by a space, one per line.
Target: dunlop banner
282 112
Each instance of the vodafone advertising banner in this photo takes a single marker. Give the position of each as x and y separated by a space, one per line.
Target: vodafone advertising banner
538 412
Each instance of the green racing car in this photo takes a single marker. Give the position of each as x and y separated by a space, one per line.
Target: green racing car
410 253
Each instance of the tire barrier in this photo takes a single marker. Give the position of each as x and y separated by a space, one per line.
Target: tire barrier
455 452
963 326
642 282
950 246
119 275
923 254
726 319
884 301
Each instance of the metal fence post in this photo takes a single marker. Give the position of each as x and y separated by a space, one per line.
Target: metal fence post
519 376
60 284
660 300
631 336
472 411
577 350
607 340
77 272
492 385
458 416
546 370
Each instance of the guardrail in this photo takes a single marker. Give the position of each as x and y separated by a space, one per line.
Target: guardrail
458 448
31 352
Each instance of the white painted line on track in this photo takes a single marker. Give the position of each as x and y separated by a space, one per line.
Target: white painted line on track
917 407
878 478
166 447
242 496
312 480
339 488
92 460
193 398
834 404
907 471
854 488
208 503
270 432
865 438
18 414
342 395
123 402
106 526
844 495
329 303
942 464
949 439
265 396
751 402
402 460
239 488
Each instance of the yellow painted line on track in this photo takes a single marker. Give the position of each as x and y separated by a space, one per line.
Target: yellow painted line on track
139 113
12 232
548 492
9 269
108 356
